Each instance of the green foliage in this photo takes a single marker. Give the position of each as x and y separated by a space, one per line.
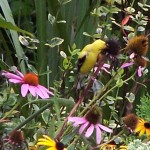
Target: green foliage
44 37
143 109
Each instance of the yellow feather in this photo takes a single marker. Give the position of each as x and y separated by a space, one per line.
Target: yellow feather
90 52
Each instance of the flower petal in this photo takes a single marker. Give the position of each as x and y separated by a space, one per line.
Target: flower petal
39 93
15 81
83 127
140 71
45 94
98 134
11 76
127 64
24 89
132 56
89 131
45 89
32 90
105 128
77 120
19 73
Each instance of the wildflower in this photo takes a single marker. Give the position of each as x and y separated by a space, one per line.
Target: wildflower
140 61
89 123
138 45
29 82
50 144
109 147
15 139
143 127
130 121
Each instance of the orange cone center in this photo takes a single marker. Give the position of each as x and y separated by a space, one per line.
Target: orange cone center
31 79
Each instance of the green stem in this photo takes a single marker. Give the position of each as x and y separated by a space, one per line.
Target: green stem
32 116
41 34
10 112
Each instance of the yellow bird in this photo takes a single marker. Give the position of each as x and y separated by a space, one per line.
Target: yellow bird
88 56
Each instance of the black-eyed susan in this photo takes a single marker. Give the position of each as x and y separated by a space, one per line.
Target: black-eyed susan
123 147
143 127
50 144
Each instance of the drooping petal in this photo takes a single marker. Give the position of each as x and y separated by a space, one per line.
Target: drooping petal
98 134
11 76
106 66
127 64
132 56
45 89
24 89
140 71
105 128
89 131
142 132
39 93
83 127
15 81
19 73
45 94
32 90
148 132
77 120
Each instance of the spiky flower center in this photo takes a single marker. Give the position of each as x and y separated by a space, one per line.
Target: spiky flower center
16 137
31 79
93 116
147 125
130 121
59 146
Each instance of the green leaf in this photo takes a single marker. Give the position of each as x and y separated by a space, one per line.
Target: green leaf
45 115
55 42
7 25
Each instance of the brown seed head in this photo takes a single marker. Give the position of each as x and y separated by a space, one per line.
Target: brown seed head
138 45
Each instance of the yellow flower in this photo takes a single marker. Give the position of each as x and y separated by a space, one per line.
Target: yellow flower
109 147
143 127
50 144
123 148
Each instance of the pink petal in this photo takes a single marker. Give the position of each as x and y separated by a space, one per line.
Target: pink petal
32 90
98 134
39 93
24 89
79 120
127 64
89 131
106 66
19 73
132 56
11 76
15 81
105 128
83 127
45 94
45 89
140 71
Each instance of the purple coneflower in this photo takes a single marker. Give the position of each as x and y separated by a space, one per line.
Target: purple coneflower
138 60
29 82
89 123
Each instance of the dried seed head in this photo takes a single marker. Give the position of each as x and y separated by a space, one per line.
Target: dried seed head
138 45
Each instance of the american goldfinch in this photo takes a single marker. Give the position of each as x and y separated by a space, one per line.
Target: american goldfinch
88 56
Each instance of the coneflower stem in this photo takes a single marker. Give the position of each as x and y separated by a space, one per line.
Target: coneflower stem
81 98
33 116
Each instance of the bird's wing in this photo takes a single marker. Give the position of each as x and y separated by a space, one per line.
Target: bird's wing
81 59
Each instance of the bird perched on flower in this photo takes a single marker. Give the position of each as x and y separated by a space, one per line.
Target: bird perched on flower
92 52
88 56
